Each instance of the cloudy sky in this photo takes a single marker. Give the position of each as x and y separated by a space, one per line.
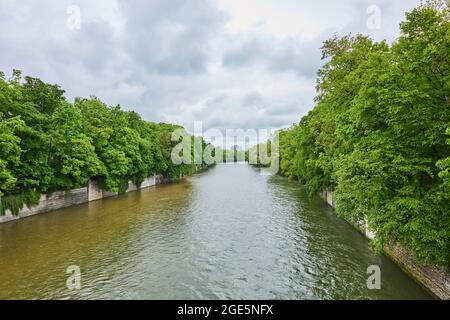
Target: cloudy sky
228 63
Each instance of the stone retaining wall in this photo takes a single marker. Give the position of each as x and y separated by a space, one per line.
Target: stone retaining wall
63 199
434 279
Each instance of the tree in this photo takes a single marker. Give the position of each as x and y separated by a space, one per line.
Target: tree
377 135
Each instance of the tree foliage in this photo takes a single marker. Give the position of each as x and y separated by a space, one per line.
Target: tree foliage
379 133
48 143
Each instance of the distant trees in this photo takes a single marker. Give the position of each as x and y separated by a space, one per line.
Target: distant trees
49 144
379 133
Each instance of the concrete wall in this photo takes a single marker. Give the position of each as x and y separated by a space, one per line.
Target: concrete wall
435 279
62 199
327 195
55 201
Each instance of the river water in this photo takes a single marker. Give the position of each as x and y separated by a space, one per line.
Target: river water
228 233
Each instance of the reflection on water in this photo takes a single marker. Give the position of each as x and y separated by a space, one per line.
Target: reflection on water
229 233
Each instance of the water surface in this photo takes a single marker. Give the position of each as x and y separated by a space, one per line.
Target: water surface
229 233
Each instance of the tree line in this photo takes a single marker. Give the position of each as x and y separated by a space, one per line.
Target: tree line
379 134
49 144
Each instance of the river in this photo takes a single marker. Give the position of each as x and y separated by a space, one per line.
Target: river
228 233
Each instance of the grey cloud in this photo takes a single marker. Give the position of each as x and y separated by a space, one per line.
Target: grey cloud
252 98
174 61
291 54
391 13
248 52
171 37
252 110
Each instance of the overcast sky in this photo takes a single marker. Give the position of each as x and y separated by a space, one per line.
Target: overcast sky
229 63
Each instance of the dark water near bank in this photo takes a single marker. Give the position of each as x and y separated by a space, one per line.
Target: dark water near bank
227 233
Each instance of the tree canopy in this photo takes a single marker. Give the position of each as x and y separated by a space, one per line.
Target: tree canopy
379 133
48 143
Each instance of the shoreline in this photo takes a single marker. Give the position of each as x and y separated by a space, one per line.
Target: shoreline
436 280
64 199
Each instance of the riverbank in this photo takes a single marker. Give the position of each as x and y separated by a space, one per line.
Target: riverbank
227 233
434 279
428 278
64 199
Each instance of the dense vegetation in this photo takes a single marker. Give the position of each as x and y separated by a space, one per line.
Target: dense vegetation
49 144
379 137
379 134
